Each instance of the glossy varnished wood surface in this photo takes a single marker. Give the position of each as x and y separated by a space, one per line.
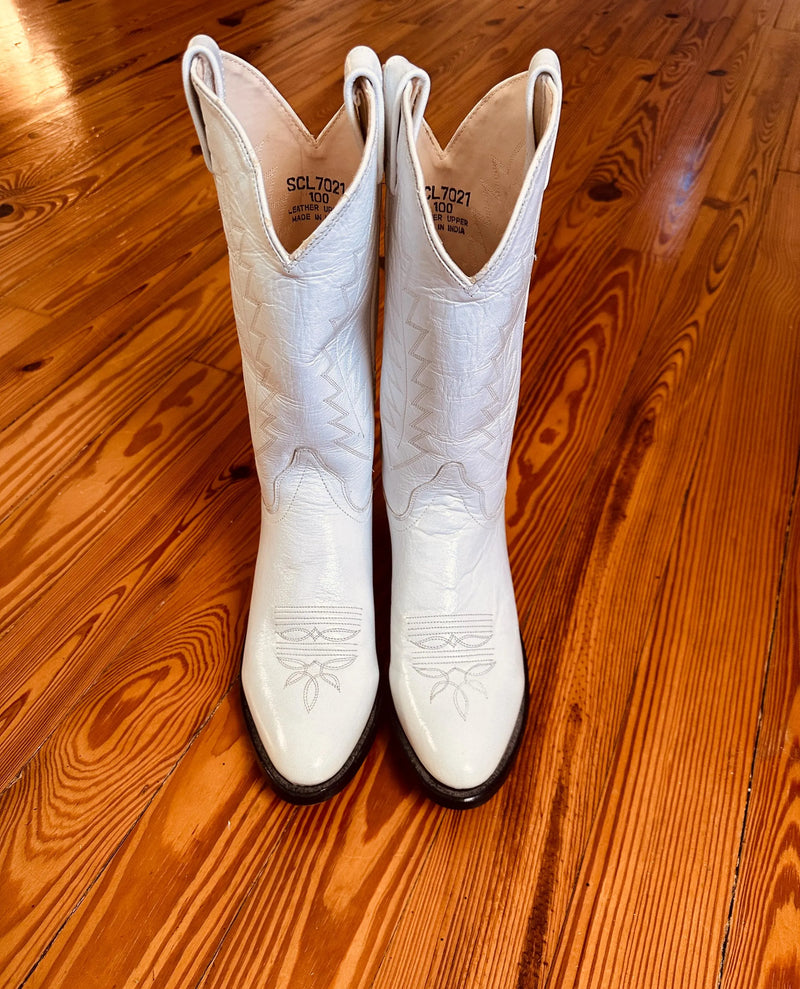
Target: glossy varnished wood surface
649 835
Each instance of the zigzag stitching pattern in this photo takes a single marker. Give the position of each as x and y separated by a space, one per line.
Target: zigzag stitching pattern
261 410
424 364
339 421
342 413
253 356
498 409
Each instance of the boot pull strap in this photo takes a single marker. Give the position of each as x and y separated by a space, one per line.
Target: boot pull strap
205 48
543 98
362 65
398 74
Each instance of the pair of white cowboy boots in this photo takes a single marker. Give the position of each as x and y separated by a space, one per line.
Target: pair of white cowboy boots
302 217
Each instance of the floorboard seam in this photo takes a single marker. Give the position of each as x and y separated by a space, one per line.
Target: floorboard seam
629 700
122 645
765 680
102 430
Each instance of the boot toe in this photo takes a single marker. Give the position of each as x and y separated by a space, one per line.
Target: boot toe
309 754
460 738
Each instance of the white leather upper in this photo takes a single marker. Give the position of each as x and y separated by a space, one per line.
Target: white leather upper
301 217
449 391
306 323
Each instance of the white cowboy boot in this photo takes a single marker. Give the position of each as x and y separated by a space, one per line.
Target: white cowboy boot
301 218
461 227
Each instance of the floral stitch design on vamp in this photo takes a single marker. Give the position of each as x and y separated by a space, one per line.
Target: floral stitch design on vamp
452 651
458 677
310 645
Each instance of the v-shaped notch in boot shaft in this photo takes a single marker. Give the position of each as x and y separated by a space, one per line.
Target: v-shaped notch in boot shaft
474 185
303 178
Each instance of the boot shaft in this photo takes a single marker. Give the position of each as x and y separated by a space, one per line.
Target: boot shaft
461 229
301 218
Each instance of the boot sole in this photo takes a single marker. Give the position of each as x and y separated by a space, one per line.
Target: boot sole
457 799
315 793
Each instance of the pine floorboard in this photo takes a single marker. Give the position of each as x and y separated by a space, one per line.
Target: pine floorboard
689 775
649 834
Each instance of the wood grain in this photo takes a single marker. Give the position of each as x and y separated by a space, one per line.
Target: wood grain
210 829
356 864
575 381
791 151
91 266
789 17
119 379
111 472
666 840
60 347
763 945
662 219
652 487
17 324
68 812
62 642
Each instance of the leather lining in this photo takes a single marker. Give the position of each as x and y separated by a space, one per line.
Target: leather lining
486 159
293 160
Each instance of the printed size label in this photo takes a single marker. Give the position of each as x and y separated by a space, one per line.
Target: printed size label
313 196
445 201
447 194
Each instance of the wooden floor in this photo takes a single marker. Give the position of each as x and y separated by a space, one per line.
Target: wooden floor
649 835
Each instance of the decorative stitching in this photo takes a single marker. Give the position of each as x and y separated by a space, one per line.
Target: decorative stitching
451 650
501 409
274 413
431 434
315 644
